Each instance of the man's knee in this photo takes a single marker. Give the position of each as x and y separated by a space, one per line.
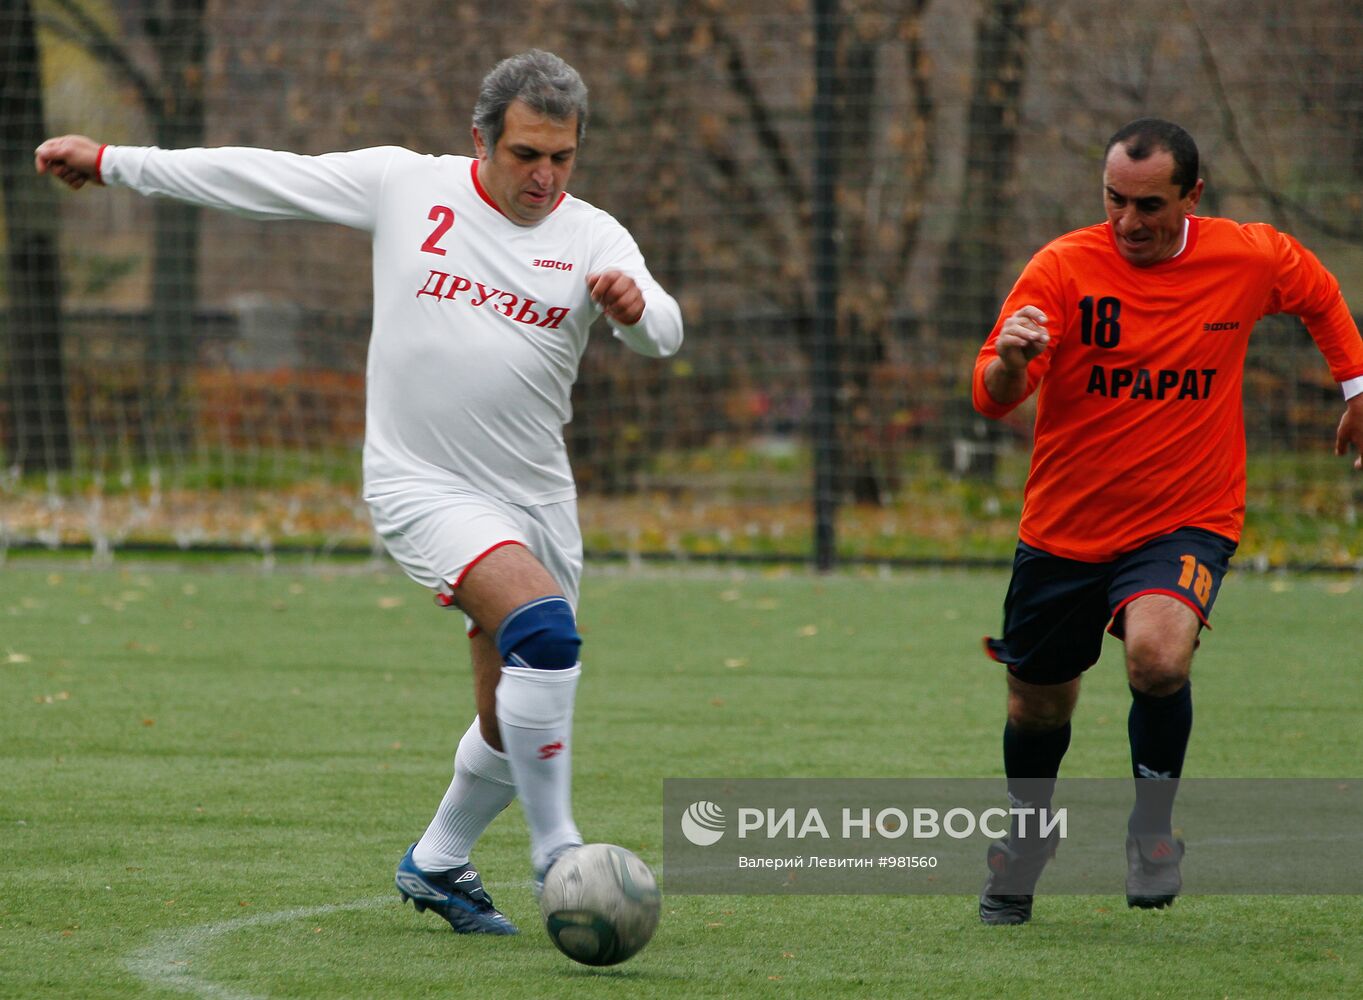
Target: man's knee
541 634
1158 665
539 644
1041 707
1160 633
1040 717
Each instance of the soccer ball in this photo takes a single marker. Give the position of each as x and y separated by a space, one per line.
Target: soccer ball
600 904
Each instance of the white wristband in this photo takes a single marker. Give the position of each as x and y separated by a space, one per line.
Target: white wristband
1352 388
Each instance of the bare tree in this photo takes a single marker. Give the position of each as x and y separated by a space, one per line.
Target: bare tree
887 142
37 433
968 292
171 93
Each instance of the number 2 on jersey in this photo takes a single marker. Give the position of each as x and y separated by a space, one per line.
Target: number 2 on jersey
446 217
1197 578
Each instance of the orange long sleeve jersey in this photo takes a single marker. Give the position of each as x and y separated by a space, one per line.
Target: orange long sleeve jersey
1139 421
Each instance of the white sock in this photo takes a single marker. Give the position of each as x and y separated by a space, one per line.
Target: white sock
535 712
482 787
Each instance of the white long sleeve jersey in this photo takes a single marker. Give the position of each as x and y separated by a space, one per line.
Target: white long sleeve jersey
479 323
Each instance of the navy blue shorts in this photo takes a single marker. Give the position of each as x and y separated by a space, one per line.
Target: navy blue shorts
1056 609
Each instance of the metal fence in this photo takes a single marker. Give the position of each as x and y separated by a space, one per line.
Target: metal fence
174 377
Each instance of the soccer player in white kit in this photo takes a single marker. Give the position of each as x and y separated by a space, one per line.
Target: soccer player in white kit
487 276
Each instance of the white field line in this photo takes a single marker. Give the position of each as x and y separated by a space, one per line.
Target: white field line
168 962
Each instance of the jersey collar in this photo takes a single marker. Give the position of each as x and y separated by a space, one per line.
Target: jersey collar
482 193
1190 228
1187 229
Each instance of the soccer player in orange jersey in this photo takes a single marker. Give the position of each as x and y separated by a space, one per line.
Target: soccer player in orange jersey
1133 333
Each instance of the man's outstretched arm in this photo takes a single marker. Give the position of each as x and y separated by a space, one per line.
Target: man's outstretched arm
254 183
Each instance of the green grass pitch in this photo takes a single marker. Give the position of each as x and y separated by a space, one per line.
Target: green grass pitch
208 773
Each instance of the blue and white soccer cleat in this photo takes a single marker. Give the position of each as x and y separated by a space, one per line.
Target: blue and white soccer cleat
457 895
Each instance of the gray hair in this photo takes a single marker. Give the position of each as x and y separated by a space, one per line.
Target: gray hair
540 79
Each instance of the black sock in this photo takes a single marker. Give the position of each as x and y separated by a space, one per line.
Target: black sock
1031 760
1158 728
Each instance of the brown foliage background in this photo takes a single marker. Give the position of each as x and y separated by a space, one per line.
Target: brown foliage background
969 134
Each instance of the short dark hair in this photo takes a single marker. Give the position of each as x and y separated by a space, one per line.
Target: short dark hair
1144 136
540 79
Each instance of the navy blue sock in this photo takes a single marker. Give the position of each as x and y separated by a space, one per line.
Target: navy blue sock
1031 761
1158 728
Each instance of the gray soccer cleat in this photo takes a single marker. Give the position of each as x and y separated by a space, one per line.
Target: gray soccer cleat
1153 878
1014 868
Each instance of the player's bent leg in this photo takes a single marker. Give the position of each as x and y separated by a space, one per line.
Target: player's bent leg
1035 739
482 787
436 872
1054 615
1161 634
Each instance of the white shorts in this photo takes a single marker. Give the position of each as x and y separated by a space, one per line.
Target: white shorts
436 534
